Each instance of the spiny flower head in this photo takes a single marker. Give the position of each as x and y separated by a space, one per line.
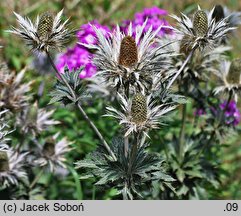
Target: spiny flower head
229 78
34 120
139 114
46 33
13 92
11 167
129 59
203 30
52 154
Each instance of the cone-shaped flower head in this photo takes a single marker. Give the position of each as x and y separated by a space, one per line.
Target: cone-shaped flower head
45 25
139 108
200 23
128 52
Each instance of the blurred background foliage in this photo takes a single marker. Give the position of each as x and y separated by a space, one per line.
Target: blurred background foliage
108 12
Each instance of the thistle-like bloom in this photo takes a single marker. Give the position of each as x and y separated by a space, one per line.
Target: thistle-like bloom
11 167
46 33
126 60
203 30
12 91
229 77
52 153
34 120
140 113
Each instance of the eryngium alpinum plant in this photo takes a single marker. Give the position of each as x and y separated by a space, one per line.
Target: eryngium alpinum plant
138 72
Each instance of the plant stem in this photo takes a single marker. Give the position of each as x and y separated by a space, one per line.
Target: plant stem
36 179
126 139
182 132
94 128
181 69
61 77
133 152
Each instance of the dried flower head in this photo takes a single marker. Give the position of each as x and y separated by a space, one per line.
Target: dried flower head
229 77
12 91
46 33
203 31
34 120
140 113
129 59
52 153
11 167
128 52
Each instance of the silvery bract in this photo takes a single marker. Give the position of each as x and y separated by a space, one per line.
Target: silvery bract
139 114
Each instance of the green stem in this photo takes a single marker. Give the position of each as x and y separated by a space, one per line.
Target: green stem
93 192
94 128
181 69
133 152
61 77
126 139
36 179
182 132
92 125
